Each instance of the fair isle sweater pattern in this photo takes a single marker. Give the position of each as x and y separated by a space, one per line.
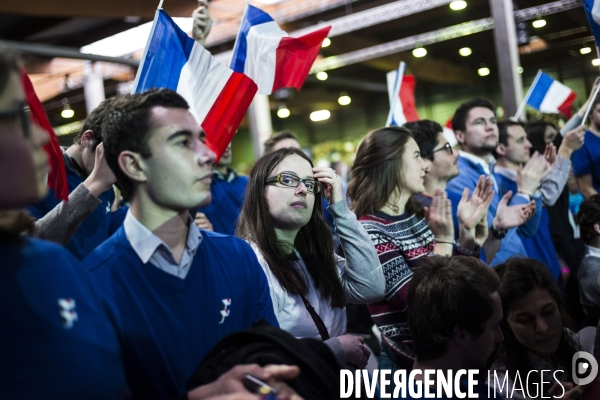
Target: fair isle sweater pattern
399 245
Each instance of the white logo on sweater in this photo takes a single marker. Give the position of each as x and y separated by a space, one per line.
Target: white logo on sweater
225 310
67 312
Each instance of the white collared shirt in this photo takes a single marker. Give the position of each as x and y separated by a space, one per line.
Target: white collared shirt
476 160
150 248
592 251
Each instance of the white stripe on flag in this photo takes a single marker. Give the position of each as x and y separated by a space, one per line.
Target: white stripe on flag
556 95
596 11
261 54
201 81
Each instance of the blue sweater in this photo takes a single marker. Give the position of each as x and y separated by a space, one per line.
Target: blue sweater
56 342
586 160
226 204
96 228
468 177
167 324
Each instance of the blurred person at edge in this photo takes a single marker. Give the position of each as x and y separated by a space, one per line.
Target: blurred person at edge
442 162
476 129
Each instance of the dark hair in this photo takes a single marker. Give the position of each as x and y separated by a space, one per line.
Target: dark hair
536 134
446 292
594 104
459 120
276 138
126 125
377 171
588 216
425 132
93 122
518 277
503 133
313 241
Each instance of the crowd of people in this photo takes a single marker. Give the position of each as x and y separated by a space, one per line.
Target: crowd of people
466 257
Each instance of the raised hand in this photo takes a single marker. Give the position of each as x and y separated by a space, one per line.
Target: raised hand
330 181
472 210
572 141
101 178
512 216
529 177
439 217
550 153
202 22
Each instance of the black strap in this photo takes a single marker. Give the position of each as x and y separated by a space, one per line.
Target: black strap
318 321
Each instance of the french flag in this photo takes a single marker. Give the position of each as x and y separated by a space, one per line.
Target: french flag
550 96
592 10
266 54
218 97
401 92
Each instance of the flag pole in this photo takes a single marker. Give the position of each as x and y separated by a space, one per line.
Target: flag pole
141 67
395 94
524 102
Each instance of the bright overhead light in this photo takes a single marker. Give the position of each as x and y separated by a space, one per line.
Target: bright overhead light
322 76
344 99
585 50
129 41
458 5
419 52
326 42
520 70
465 51
67 112
483 71
596 62
283 112
320 115
539 23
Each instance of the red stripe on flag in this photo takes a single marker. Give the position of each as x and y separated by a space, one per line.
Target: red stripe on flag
226 114
295 57
57 179
407 98
565 108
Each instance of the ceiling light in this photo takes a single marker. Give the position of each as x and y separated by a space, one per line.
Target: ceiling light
458 5
326 42
585 50
322 75
520 70
320 115
419 52
465 51
344 99
539 23
67 112
283 112
596 62
483 71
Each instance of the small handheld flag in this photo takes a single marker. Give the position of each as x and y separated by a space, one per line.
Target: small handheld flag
401 92
266 54
548 96
218 97
592 10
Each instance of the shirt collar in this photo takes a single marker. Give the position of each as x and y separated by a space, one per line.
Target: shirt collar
145 243
231 175
506 172
592 251
476 160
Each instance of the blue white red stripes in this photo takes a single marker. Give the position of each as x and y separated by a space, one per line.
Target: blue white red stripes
592 10
218 97
401 93
550 96
266 54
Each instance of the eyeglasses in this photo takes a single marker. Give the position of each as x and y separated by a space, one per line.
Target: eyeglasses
446 147
312 185
23 113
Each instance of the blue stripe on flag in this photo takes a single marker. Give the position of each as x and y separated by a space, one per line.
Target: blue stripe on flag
539 91
168 51
252 16
593 15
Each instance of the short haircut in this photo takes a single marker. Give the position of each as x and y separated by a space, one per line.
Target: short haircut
276 138
503 132
446 292
94 122
425 132
459 120
588 216
126 127
595 103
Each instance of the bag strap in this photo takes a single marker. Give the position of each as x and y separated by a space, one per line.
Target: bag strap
315 317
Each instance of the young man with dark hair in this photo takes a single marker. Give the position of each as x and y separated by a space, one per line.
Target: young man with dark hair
586 160
86 220
454 312
589 272
476 130
172 290
281 140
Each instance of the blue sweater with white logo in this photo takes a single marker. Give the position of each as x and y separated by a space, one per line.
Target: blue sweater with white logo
168 324
56 341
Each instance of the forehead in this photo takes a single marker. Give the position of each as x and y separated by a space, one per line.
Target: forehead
294 163
284 143
12 95
441 140
165 120
532 301
480 112
516 131
411 146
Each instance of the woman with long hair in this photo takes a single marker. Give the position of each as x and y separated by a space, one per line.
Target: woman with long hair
387 172
282 218
537 337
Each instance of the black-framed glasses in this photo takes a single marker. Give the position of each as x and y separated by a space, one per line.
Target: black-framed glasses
23 113
446 147
312 185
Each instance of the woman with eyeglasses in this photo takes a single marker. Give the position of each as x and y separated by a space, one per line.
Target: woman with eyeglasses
310 285
55 341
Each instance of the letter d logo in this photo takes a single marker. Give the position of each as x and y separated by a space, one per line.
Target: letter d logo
580 368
